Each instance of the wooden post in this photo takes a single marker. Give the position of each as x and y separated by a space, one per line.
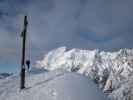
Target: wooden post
23 35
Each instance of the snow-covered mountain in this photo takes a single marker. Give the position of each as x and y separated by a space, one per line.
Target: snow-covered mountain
4 75
112 71
75 75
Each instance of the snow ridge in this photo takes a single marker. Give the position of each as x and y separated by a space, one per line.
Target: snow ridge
55 85
112 71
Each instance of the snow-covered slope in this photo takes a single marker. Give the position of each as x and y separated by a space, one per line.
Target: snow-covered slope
56 85
112 71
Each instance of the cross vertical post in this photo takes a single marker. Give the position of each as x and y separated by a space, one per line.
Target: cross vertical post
23 35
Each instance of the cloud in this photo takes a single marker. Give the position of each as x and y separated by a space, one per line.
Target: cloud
89 24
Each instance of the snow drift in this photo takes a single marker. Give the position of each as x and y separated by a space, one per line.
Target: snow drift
56 85
112 71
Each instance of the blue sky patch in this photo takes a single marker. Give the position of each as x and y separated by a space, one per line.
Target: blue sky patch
92 36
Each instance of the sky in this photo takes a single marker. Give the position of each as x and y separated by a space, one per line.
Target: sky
88 24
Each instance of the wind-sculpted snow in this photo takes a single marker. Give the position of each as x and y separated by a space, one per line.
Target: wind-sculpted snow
112 71
55 85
